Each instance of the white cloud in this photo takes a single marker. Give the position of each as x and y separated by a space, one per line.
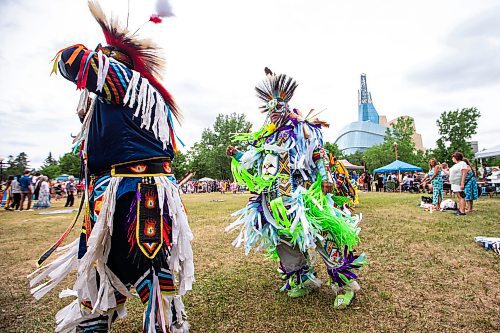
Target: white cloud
216 52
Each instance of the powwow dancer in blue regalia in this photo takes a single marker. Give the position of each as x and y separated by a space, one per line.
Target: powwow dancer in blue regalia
135 231
289 171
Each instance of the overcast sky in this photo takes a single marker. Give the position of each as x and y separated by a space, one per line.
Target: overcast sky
420 57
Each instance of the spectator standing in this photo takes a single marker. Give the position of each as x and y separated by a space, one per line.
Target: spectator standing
458 172
8 189
471 192
36 181
368 181
445 174
58 190
380 183
44 195
79 189
16 192
482 172
222 187
234 187
70 192
26 190
354 176
437 182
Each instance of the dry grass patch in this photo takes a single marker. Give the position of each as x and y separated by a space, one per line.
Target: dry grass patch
425 274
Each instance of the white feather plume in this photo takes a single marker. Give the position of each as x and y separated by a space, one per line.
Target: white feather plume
164 8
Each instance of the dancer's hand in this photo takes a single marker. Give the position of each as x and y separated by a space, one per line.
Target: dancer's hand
231 151
327 187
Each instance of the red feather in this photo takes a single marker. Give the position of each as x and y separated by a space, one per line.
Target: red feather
155 19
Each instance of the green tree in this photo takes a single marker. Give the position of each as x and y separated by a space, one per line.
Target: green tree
495 161
402 133
456 129
50 167
17 165
69 164
49 160
180 165
356 158
377 156
333 149
208 157
51 171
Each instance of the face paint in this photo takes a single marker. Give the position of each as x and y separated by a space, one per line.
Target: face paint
275 105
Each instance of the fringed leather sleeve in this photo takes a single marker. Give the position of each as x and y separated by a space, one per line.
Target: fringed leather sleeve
96 72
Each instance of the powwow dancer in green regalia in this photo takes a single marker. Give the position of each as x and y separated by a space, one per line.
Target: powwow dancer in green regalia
288 169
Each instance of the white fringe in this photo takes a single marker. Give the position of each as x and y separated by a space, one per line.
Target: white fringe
181 253
163 305
102 71
57 270
82 105
69 317
150 106
301 151
94 262
180 313
131 93
249 158
95 259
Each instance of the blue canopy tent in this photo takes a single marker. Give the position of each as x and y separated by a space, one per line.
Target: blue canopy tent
397 166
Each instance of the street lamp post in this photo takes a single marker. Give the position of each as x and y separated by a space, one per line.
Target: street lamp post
399 172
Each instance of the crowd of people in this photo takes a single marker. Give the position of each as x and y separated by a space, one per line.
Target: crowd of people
222 186
460 180
37 191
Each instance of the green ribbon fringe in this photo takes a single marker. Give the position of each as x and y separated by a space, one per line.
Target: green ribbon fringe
259 136
320 213
254 183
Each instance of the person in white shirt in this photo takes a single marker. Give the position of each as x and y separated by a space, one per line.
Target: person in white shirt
494 178
457 180
16 193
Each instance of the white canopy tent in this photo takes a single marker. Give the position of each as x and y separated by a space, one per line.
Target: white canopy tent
205 179
491 152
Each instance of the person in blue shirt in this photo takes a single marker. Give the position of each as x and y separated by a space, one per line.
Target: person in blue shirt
26 189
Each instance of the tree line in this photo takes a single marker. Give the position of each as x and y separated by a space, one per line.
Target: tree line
68 164
207 157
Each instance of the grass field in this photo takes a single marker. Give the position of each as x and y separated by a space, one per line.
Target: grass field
425 274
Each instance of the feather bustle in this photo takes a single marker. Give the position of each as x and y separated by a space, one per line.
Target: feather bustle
145 54
276 86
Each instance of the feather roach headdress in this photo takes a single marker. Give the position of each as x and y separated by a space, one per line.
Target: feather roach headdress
276 90
143 55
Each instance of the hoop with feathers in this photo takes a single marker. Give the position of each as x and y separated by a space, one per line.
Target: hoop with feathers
279 87
144 54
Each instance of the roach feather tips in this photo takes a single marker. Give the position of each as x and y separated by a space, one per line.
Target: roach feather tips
268 71
155 19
